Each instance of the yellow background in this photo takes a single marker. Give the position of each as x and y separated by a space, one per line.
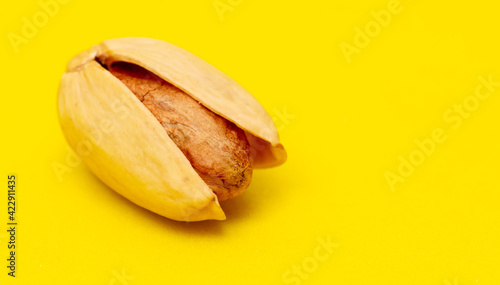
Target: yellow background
344 125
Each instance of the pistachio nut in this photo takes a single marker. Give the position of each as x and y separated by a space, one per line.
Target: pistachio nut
164 128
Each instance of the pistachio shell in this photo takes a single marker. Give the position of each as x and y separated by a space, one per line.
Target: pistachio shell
127 148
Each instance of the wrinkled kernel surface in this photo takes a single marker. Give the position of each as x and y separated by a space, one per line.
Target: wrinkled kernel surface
217 149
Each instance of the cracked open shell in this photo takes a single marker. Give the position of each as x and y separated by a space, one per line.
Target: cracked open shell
126 147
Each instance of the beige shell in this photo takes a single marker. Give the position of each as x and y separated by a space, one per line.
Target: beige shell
127 148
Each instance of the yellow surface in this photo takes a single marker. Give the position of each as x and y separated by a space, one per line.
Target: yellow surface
349 108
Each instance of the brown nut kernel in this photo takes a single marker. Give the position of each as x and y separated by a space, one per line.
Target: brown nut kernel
217 149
